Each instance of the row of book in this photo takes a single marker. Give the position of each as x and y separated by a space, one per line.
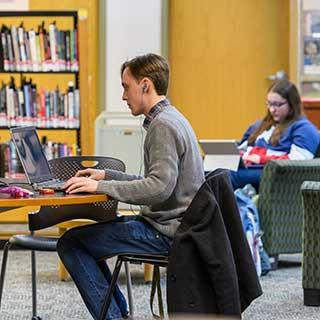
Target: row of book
42 50
10 165
42 108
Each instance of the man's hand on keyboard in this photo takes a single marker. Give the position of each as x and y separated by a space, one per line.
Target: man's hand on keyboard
91 173
81 184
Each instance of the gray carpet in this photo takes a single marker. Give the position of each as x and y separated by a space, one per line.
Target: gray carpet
282 298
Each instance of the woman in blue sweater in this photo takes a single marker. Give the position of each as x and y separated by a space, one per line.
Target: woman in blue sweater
284 133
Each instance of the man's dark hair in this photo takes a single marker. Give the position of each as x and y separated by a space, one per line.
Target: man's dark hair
151 66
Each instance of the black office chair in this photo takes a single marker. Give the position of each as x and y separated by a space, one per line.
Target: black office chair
62 168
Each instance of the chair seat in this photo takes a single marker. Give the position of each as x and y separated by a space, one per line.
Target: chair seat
34 243
156 259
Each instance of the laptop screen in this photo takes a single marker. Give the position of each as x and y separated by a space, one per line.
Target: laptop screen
217 147
31 154
220 154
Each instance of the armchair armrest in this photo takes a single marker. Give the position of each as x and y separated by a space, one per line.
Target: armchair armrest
310 191
280 205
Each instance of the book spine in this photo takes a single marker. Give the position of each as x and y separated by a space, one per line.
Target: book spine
10 106
22 49
47 51
27 112
33 50
16 51
3 106
76 58
12 64
42 50
38 52
4 56
28 53
68 50
53 46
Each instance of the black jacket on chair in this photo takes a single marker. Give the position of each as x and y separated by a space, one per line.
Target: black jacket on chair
208 271
248 281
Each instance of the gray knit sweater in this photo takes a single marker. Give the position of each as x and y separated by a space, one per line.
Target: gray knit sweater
173 173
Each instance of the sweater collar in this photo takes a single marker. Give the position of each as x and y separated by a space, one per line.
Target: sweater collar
154 111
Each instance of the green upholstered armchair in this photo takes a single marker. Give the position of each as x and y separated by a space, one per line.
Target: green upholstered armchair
311 242
280 204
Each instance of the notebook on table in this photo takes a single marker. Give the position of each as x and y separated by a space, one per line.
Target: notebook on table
221 154
33 159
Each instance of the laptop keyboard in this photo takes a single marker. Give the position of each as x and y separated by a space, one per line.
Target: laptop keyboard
52 184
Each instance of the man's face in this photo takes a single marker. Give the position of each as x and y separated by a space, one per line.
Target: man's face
132 93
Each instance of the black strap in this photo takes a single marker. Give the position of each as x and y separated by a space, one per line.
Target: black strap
156 287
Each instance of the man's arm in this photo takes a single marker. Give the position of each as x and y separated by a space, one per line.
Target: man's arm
160 181
120 176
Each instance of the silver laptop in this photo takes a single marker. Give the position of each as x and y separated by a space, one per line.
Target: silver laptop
33 159
220 154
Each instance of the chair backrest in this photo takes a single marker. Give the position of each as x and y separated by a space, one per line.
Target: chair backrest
65 168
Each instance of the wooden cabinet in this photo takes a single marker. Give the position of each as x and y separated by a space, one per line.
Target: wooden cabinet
311 109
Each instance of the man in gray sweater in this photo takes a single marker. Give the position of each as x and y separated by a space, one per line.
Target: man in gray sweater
173 174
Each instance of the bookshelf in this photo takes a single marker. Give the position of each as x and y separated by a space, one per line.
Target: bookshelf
53 76
305 54
40 72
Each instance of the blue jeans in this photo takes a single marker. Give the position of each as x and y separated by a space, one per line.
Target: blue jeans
83 249
243 176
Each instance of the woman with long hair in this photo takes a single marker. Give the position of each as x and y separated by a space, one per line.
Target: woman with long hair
284 133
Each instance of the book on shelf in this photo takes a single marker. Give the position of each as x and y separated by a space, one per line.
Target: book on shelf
22 49
45 50
42 108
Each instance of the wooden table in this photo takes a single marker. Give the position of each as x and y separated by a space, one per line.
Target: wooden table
59 198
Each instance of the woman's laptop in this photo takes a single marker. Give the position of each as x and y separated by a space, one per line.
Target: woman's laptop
33 159
220 154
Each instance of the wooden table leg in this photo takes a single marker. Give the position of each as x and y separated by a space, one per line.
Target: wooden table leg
148 271
62 271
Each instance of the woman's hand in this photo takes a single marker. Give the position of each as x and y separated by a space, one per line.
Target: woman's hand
92 174
251 158
81 184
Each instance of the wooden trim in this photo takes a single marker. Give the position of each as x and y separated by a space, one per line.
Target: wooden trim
46 200
87 114
294 42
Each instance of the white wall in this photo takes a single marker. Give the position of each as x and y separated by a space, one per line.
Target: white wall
133 27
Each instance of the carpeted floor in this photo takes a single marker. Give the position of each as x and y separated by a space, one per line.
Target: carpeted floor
282 298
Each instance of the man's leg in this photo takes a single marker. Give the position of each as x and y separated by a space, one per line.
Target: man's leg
81 250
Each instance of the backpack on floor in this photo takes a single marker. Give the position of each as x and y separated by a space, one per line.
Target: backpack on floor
251 226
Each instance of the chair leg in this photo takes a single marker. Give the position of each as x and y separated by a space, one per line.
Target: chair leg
34 284
3 267
107 300
156 287
274 262
129 287
311 297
